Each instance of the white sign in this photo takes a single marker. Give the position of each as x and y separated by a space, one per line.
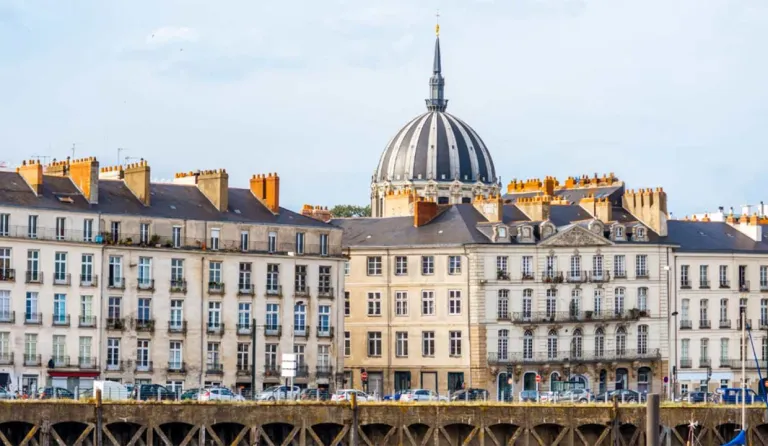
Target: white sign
287 365
290 357
288 373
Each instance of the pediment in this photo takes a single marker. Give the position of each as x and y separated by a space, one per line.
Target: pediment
576 236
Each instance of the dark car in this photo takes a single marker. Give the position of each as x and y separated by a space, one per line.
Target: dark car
622 396
696 397
190 394
152 392
311 395
471 395
60 393
528 396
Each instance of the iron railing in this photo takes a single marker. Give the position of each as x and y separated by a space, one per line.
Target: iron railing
574 356
544 317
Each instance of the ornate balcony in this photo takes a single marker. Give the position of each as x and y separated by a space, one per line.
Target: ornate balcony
325 292
575 357
178 286
177 327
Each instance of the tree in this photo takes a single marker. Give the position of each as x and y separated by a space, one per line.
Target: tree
350 210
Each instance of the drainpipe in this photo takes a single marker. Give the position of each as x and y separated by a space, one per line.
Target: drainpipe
469 322
202 320
100 303
389 324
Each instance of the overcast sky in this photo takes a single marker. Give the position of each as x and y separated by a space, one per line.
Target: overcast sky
670 93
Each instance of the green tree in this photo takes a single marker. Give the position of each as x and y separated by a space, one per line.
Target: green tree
350 210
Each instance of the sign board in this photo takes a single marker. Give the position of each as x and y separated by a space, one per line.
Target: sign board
538 378
364 376
290 357
288 373
666 379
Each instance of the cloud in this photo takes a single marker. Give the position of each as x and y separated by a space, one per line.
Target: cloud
171 34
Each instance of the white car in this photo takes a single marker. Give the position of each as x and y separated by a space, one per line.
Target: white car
219 394
345 395
421 395
278 393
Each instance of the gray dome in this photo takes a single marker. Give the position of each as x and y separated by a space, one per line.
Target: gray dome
436 146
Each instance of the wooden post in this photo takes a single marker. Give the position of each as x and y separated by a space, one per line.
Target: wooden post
99 419
353 437
652 420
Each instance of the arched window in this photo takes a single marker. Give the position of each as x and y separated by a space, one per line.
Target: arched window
554 380
599 343
574 309
552 344
598 302
503 304
618 301
603 381
644 379
642 298
503 345
576 343
621 342
527 303
551 303
642 340
528 344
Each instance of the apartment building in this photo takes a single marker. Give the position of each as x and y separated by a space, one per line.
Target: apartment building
105 274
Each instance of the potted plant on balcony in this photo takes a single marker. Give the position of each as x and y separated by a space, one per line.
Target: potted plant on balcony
588 314
502 275
154 240
634 313
643 313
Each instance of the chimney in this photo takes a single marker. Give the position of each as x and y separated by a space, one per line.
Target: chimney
111 173
536 208
423 211
85 174
32 172
748 225
492 207
398 203
272 192
316 212
57 168
214 184
599 208
649 206
136 177
259 187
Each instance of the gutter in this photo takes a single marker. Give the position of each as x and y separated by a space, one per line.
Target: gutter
389 321
469 322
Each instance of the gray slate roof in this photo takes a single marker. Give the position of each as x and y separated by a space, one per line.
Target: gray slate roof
697 236
574 195
176 201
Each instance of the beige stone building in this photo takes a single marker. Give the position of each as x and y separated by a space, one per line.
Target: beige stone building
104 274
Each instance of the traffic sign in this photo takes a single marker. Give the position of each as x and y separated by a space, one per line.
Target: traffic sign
666 379
538 378
364 376
509 381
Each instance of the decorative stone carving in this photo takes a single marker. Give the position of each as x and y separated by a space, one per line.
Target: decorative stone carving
596 226
576 236
547 230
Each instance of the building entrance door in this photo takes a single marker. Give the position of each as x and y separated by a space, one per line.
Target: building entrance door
429 381
375 384
402 381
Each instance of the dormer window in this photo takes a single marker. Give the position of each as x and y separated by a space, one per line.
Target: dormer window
502 232
618 232
640 234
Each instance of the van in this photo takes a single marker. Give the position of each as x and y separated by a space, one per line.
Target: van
111 390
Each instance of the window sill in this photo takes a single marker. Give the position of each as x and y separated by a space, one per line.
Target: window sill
427 274
454 356
374 356
428 356
372 315
373 275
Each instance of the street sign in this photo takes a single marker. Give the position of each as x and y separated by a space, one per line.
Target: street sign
666 379
288 373
538 378
288 367
364 376
289 357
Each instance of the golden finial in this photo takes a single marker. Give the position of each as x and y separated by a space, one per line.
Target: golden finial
437 24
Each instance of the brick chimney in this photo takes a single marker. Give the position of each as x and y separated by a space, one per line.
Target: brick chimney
649 206
84 173
259 187
272 192
214 184
136 177
32 172
424 211
492 207
316 212
536 208
58 168
600 208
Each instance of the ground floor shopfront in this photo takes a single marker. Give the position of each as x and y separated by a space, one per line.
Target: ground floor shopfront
386 381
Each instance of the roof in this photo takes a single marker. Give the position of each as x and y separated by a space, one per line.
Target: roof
174 201
574 195
697 236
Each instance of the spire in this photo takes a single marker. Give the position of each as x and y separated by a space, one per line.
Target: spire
437 101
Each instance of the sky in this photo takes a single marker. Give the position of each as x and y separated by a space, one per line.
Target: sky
670 93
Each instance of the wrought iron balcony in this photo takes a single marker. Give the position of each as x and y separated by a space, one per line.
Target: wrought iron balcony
243 370
177 367
763 286
177 326
325 331
686 324
738 323
275 291
620 273
117 366
725 323
686 363
115 323
725 283
273 330
245 289
215 287
62 279
33 360
34 276
544 317
7 317
87 321
214 368
704 283
574 357
244 329
147 325
271 371
144 367
552 277
642 274
87 363
301 291
116 283
704 363
599 276
302 371
7 275
6 358
89 280
685 284
301 332
325 292
145 285
763 324
748 364
60 320
705 323
33 318
744 286
178 286
324 371
215 329
576 276
59 362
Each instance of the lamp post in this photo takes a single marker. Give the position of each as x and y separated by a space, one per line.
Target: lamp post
674 366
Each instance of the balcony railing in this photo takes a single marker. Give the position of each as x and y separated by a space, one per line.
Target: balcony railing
301 332
214 368
147 325
599 276
177 367
178 286
574 357
177 326
59 362
86 321
504 316
87 363
33 360
145 285
7 275
324 371
215 329
704 363
62 279
271 371
301 291
244 329
744 286
34 277
33 318
7 317
620 274
686 324
703 283
302 371
686 363
215 287
273 330
705 324
60 320
118 366
115 323
116 283
325 332
738 323
89 280
6 358
543 317
725 323
552 277
245 289
763 286
144 367
325 292
576 277
243 370
748 364
685 284
725 283
763 324
275 291
642 274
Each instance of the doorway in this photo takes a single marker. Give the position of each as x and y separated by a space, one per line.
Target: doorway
429 381
402 381
529 381
455 381
504 387
375 384
622 379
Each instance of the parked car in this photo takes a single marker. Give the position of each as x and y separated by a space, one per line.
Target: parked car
190 395
622 396
219 394
6 394
345 395
421 395
111 390
394 397
528 396
152 392
576 395
47 393
277 393
471 395
734 396
695 397
312 395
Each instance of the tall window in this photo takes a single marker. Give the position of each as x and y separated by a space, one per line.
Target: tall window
454 302
641 265
401 344
763 312
528 344
272 241
177 314
177 272
347 305
299 319
685 348
427 265
621 342
115 271
85 350
574 309
503 345
215 238
142 354
703 308
551 303
598 298
597 266
144 233
5 224
599 343
113 353
685 280
551 268
527 267
5 305
642 339
300 243
273 278
427 303
244 283
455 343
527 304
347 343
300 281
576 343
244 315
60 228
176 236
214 274
704 276
31 308
401 303
114 307
763 277
60 267
401 265
454 264
552 344
175 355
324 280
243 353
502 265
685 306
502 306
323 244
374 303
144 313
59 308
86 269
642 298
33 265
244 241
30 347
273 316
324 319
618 301
5 263
145 271
60 350
723 310
619 266
374 343
575 267
214 315
704 347
724 276
723 349
213 358
374 266
32 227
427 343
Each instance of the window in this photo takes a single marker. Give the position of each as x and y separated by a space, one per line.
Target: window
214 315
528 344
270 355
502 344
723 310
763 277
599 343
145 272
347 343
427 265
244 242
5 224
703 276
502 305
324 280
684 276
704 349
527 303
177 314
144 233
763 312
551 303
176 237
323 357
428 343
215 238
347 307
244 283
401 265
84 350
243 353
86 309
144 313
5 262
642 339
273 278
59 350
213 358
33 265
575 267
298 350
597 266
551 266
642 299
374 266
685 345
114 308
244 315
272 242
60 228
30 347
142 354
598 298
177 272
454 265
323 244
618 301
501 265
401 303
455 343
300 243
641 265
724 276
86 269
574 309
346 268
32 227
374 304
552 344
60 267
401 344
527 267
639 234
31 308
621 342
619 266
115 231
115 271
684 309
577 343
175 355
300 319
454 302
59 309
374 343
324 319
703 304
273 317
427 303
619 232
113 353
723 349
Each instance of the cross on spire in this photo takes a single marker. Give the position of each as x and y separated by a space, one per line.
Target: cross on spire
437 22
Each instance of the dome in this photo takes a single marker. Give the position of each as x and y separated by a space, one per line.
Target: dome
436 146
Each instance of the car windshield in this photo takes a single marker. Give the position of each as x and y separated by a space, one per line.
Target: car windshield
272 389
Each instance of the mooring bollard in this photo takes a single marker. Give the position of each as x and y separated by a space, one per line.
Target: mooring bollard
652 420
353 432
99 419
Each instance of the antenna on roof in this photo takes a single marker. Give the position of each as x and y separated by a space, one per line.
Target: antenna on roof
119 151
42 158
129 158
